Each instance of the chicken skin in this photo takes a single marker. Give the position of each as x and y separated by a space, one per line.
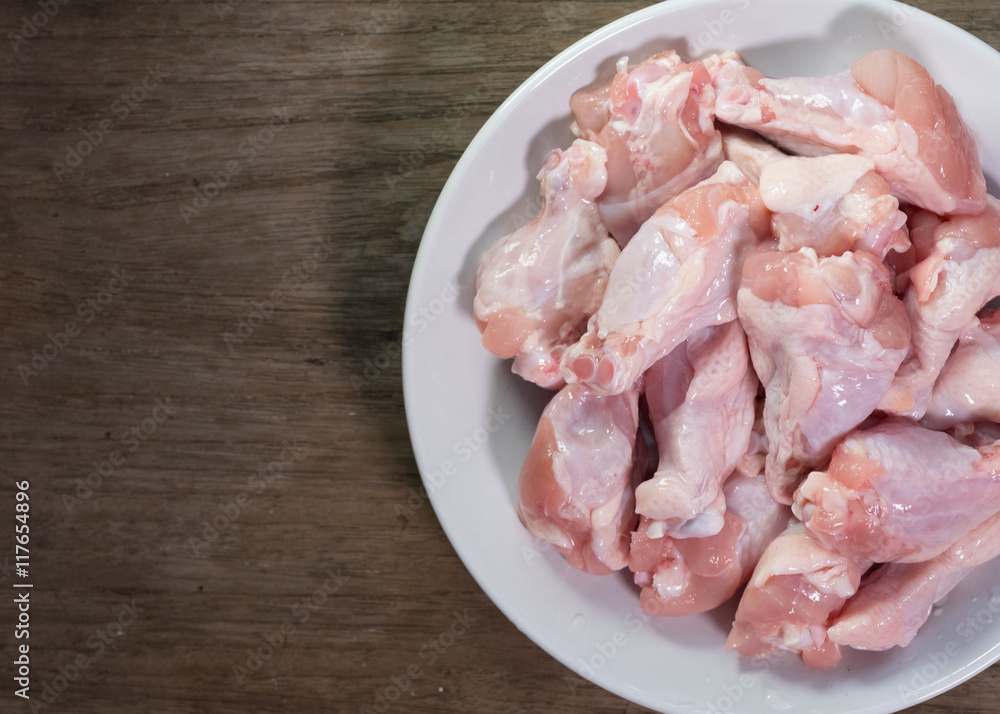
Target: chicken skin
577 484
957 274
887 108
701 405
826 337
691 575
536 288
898 492
968 388
798 586
656 122
678 275
892 605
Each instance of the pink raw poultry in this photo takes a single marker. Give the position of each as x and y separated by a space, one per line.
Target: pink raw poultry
826 337
749 151
656 121
833 204
958 273
968 388
899 492
892 605
536 288
677 275
797 586
886 108
690 575
701 405
576 489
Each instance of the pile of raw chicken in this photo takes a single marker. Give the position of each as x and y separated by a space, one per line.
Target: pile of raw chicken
765 305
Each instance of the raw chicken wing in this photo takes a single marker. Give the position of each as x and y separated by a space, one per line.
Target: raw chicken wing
795 590
701 405
577 485
892 605
677 275
691 575
657 124
899 492
833 204
958 273
887 108
748 151
826 336
536 288
968 388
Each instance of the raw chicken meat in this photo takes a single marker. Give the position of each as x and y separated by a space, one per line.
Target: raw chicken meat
833 204
894 603
657 124
887 108
677 275
577 485
899 493
691 575
968 388
826 336
958 273
701 405
592 108
748 151
536 288
795 590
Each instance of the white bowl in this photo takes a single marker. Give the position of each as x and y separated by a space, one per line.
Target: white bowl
471 421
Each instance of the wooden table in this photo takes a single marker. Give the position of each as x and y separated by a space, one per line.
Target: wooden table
199 264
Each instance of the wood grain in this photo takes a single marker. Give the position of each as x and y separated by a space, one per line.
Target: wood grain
300 135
